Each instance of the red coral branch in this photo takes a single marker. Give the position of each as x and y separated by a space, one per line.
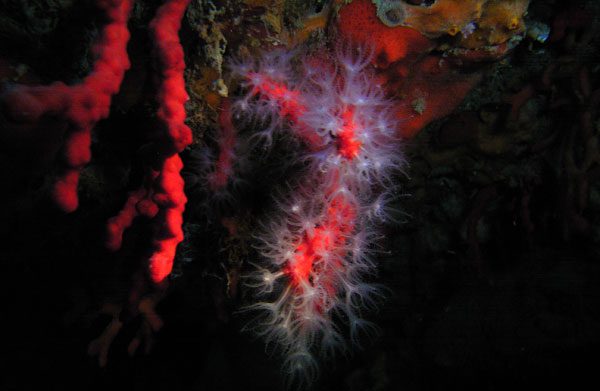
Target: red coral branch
162 195
82 105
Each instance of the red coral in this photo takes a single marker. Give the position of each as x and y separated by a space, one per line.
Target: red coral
318 247
82 105
162 195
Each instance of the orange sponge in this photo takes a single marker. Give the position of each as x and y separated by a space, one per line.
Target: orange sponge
501 20
441 17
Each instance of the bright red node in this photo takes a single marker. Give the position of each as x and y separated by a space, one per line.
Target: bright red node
348 144
328 238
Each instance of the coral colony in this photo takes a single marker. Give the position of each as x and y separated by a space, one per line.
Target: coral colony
318 247
349 107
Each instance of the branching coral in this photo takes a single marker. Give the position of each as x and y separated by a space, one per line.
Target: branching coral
80 106
318 248
162 196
